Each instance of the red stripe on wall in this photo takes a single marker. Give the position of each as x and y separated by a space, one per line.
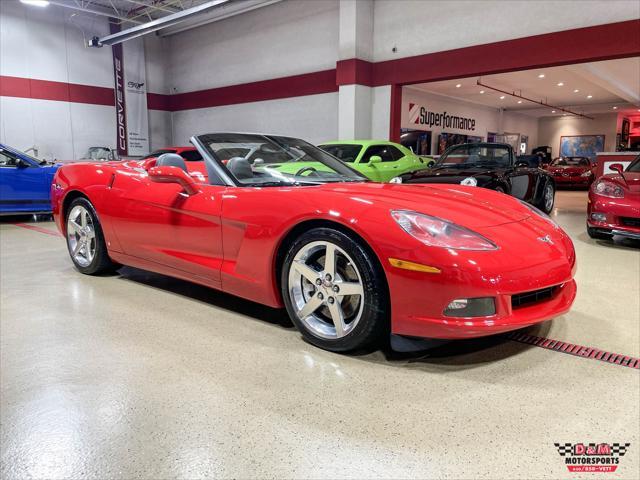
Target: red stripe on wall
354 71
590 44
58 91
158 101
287 87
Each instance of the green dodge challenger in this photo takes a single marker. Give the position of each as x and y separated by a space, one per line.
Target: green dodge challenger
377 159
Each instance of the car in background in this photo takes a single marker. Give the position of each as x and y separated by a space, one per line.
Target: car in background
348 258
493 166
193 159
25 182
572 171
614 203
378 160
95 154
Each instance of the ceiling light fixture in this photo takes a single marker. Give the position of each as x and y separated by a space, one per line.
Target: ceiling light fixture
589 96
519 101
576 91
553 111
519 96
481 91
541 75
35 3
615 108
458 85
560 84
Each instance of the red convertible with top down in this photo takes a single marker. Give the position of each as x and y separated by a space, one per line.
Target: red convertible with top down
351 260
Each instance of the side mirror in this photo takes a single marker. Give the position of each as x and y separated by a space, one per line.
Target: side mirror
375 159
617 167
174 175
21 163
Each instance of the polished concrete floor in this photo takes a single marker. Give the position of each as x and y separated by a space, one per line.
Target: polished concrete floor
141 376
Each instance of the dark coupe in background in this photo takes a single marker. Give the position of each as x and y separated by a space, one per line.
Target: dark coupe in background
494 166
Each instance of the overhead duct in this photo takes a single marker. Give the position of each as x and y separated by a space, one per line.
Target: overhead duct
215 10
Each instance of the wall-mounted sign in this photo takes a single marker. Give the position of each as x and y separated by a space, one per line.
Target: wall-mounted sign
422 116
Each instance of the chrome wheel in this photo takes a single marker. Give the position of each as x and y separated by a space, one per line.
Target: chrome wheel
326 290
548 198
81 236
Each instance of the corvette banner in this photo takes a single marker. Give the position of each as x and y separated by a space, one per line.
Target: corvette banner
132 121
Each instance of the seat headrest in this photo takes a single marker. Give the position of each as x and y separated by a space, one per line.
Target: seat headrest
171 160
240 168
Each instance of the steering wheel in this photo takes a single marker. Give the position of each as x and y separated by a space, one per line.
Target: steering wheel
305 169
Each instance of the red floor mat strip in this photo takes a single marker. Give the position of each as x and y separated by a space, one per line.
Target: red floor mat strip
576 350
38 229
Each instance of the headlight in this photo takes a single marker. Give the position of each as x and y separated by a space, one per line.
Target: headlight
435 232
470 181
607 188
539 213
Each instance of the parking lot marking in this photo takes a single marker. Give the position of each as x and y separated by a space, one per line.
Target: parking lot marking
38 229
576 350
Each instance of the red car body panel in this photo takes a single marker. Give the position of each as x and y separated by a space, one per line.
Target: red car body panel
622 214
228 238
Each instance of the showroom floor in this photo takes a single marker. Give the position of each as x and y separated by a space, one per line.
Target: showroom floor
139 375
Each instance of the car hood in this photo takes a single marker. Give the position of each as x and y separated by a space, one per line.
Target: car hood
632 183
568 169
468 206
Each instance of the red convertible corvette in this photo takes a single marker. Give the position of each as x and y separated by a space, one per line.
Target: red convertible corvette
614 203
351 260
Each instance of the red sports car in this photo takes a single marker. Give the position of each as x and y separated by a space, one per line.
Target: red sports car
614 203
351 260
571 171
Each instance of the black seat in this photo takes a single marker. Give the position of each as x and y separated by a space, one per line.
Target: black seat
171 160
240 167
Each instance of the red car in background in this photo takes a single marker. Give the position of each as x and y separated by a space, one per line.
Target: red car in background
572 171
614 203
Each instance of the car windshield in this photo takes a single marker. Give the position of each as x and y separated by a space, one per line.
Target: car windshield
634 166
475 155
268 160
571 162
346 153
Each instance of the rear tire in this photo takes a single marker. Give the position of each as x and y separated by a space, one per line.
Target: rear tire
598 234
85 239
548 198
315 292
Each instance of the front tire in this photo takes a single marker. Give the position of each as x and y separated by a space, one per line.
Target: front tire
334 291
85 240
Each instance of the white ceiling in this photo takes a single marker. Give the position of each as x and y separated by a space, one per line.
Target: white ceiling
612 83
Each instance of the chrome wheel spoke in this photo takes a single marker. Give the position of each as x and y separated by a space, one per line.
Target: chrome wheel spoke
306 271
350 288
311 306
83 218
337 315
91 234
74 226
77 248
330 260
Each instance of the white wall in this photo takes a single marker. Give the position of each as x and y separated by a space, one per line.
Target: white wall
486 119
552 128
314 118
417 27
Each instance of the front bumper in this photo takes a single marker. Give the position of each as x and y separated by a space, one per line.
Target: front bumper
524 263
621 216
572 181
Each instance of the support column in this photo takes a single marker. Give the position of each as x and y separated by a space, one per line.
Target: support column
355 50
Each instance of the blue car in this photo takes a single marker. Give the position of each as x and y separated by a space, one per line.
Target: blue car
25 183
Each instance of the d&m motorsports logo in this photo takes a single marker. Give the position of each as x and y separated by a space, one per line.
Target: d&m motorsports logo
592 457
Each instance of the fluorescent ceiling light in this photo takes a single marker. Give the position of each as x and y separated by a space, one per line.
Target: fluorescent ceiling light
458 85
541 75
35 3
